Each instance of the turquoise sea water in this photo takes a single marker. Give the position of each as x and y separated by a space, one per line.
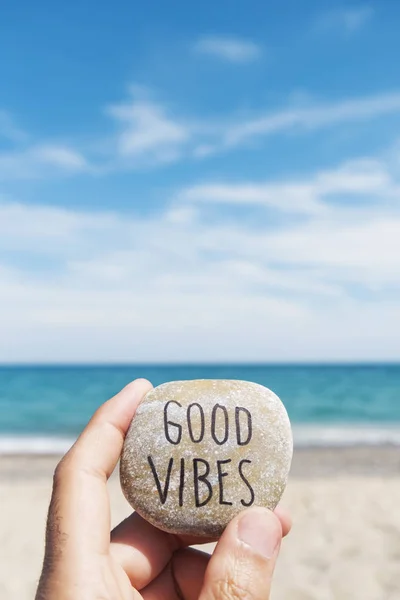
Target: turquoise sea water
43 408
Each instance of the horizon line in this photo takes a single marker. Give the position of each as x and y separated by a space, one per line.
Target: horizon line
178 364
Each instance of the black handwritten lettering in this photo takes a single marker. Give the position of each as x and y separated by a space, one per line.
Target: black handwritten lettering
202 478
170 423
238 410
163 493
182 482
221 475
214 421
202 422
251 501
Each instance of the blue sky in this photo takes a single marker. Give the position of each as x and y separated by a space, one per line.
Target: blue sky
199 181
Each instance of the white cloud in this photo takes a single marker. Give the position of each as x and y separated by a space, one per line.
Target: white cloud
59 156
354 19
10 130
359 251
349 20
38 161
353 179
147 132
182 214
25 158
230 49
143 288
314 116
287 198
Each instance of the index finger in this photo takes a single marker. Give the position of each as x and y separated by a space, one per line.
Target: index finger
79 513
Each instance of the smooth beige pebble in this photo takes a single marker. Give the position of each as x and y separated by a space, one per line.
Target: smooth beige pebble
198 452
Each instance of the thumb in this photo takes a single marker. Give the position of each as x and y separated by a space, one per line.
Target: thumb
244 559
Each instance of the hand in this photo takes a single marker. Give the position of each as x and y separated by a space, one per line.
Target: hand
139 561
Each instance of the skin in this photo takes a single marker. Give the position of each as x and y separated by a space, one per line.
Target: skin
84 562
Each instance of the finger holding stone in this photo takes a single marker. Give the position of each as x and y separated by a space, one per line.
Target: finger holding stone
79 516
182 579
144 551
285 519
244 559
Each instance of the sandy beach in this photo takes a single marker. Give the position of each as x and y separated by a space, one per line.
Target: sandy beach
345 542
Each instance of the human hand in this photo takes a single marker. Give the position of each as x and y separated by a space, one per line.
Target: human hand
83 562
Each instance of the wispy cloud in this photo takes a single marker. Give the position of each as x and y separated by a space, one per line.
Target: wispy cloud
314 116
102 276
87 269
147 132
42 160
308 196
349 20
230 49
9 130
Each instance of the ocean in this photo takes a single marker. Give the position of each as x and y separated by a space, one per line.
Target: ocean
43 408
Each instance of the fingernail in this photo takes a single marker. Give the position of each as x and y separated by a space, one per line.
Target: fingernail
261 530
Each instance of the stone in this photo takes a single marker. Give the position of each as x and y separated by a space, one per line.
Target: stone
198 452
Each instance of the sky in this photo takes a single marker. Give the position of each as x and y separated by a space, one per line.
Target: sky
199 182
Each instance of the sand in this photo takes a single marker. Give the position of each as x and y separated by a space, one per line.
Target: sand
345 542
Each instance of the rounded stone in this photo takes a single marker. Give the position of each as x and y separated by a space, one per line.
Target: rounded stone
198 452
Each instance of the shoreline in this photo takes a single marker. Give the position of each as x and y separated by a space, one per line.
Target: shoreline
308 462
306 437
